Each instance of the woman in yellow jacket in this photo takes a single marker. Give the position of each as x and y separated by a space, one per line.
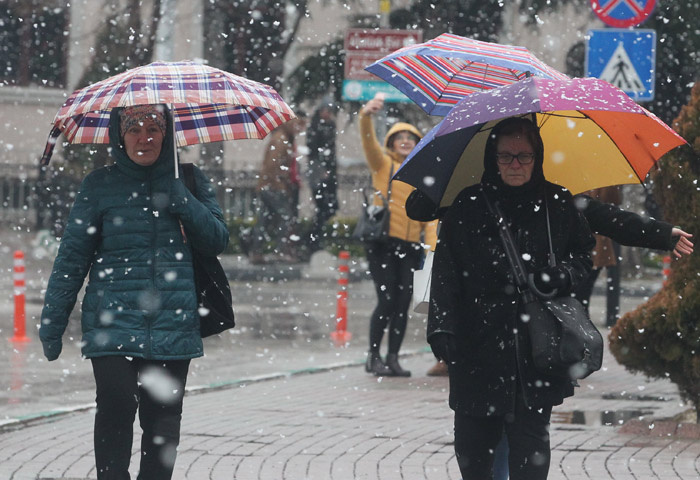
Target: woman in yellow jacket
392 262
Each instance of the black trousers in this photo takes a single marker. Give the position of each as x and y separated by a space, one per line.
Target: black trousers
476 439
156 389
391 264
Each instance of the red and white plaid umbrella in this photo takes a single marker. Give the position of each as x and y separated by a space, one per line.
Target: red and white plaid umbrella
208 105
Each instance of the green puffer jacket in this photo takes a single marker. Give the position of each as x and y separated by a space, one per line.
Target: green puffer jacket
123 229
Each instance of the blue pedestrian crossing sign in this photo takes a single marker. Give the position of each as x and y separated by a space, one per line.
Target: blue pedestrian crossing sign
625 58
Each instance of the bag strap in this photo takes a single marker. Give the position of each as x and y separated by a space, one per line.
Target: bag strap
552 259
388 193
191 184
188 176
525 282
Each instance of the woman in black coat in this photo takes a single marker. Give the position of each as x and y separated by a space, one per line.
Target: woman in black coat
475 323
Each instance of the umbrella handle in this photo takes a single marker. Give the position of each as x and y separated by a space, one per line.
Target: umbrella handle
172 121
537 291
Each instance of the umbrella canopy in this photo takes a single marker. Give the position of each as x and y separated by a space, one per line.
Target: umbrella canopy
208 105
594 135
438 73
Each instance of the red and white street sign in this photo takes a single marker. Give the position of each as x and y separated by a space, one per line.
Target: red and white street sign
365 46
623 13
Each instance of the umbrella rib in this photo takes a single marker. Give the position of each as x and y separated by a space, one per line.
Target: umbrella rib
515 74
554 114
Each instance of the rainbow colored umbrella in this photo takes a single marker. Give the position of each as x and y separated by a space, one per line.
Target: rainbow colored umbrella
594 135
438 73
208 105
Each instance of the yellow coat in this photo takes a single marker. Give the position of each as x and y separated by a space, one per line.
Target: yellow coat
380 159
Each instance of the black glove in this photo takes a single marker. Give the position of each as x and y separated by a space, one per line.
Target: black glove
421 208
554 278
444 347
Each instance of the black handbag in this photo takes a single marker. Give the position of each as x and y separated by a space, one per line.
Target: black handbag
373 222
564 342
213 290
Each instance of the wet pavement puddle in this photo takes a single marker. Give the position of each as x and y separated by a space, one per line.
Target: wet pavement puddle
599 418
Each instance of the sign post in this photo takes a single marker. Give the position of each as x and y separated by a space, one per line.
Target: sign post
627 59
365 46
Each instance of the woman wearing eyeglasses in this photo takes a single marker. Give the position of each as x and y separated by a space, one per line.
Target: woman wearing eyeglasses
475 323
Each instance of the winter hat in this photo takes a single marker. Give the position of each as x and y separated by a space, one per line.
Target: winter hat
130 116
400 127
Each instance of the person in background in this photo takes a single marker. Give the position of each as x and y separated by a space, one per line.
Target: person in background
603 254
278 196
133 228
393 261
323 178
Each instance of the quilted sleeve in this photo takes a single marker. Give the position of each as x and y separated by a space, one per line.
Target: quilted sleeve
73 261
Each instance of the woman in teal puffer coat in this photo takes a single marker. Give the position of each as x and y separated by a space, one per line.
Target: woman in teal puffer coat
139 314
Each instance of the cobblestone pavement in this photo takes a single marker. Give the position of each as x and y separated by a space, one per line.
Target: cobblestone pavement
343 424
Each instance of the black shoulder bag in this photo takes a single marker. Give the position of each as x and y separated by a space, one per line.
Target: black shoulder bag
373 222
564 341
213 290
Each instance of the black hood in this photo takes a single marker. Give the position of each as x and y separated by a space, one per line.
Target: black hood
491 175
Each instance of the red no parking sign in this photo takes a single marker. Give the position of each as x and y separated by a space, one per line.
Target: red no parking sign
623 13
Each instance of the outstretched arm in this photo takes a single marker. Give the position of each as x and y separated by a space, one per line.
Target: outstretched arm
374 153
631 229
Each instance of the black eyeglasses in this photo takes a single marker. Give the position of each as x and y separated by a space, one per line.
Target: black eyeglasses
507 158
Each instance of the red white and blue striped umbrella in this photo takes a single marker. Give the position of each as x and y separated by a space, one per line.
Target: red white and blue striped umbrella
439 73
208 105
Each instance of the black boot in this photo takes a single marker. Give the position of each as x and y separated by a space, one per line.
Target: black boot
392 363
375 365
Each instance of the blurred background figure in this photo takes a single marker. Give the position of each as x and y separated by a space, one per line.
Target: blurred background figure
278 196
323 179
605 252
611 225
